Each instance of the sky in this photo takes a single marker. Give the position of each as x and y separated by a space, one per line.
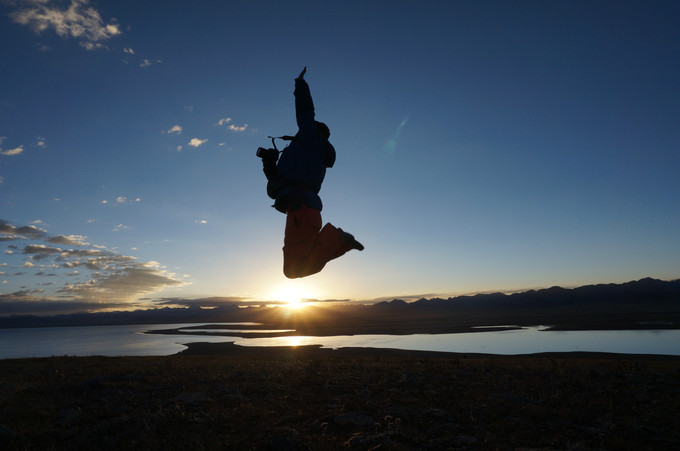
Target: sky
481 146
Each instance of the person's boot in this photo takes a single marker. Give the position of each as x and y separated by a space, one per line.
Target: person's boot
347 240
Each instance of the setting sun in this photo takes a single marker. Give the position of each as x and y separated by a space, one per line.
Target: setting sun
295 303
292 295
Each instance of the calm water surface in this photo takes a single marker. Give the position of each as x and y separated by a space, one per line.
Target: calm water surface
525 341
131 341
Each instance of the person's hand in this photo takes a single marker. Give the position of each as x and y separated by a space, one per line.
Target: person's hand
302 74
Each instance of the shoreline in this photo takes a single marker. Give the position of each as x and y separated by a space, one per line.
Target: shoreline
230 348
311 331
319 332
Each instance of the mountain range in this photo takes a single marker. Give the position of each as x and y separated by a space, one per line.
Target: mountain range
642 304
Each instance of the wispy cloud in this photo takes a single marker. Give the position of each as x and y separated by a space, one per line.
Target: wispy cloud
40 251
143 62
175 129
78 21
9 232
15 151
198 142
125 283
195 142
147 62
121 200
40 142
208 302
232 127
71 240
104 279
237 128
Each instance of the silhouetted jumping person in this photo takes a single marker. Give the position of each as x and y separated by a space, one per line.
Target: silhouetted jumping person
294 183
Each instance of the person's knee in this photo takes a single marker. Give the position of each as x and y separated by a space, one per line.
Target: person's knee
291 272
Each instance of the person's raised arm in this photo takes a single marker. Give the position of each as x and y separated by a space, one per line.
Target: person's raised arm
304 106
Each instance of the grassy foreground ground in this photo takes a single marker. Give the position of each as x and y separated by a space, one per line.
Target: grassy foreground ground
227 397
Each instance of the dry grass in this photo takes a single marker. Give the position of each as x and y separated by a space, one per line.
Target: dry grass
308 398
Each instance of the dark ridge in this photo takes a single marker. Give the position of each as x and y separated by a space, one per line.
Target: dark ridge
643 304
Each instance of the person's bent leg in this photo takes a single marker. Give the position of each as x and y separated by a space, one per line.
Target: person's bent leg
302 231
331 244
328 246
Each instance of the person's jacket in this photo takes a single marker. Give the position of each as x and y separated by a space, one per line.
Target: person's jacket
302 165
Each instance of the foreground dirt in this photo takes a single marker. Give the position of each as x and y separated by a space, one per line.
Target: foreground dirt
226 397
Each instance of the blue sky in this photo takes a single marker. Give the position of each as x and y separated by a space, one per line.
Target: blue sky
482 146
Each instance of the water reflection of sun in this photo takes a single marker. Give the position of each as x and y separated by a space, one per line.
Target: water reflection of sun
294 341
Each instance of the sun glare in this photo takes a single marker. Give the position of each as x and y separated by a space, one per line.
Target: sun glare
292 296
295 303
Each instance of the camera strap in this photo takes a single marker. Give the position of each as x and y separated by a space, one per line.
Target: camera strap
284 138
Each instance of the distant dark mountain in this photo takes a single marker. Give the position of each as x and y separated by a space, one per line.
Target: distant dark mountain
643 304
151 316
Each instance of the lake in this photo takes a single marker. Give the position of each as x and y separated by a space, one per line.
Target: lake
130 340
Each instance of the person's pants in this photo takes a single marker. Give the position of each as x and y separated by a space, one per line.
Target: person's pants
306 246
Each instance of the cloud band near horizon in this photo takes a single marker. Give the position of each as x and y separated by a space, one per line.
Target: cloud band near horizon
99 278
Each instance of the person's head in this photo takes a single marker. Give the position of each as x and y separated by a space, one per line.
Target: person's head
323 129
